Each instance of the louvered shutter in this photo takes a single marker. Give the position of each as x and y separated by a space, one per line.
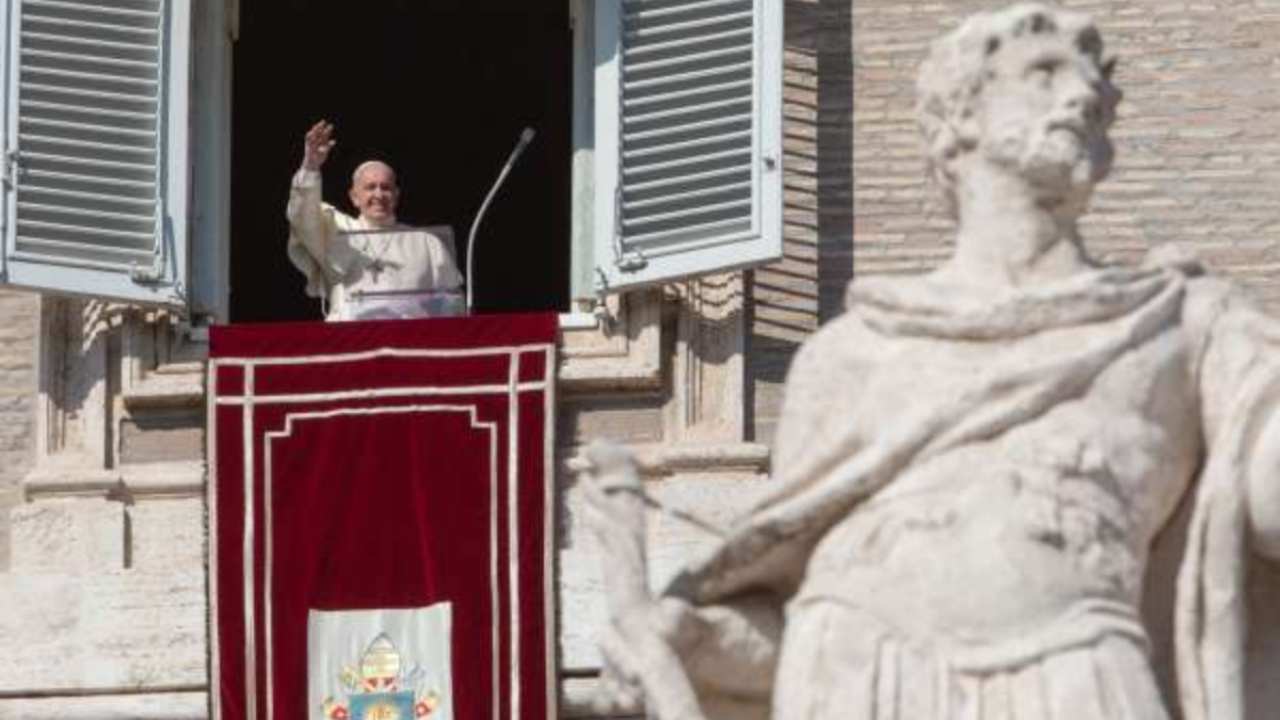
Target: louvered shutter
688 138
96 170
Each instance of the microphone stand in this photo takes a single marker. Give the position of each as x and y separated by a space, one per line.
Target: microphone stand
526 137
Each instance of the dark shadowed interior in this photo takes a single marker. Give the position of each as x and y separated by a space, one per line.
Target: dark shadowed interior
441 91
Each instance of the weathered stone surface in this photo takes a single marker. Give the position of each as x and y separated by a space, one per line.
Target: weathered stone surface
578 419
166 706
164 436
18 324
102 631
69 535
167 534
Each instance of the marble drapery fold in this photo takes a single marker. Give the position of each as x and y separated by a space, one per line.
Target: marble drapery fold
824 476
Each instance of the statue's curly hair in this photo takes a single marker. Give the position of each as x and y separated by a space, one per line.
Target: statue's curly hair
952 77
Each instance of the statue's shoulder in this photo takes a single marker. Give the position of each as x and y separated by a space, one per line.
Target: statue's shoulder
854 335
841 350
1208 297
1209 294
843 334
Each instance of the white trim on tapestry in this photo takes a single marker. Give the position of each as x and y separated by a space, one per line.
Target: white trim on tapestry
513 522
548 538
289 399
211 521
496 638
250 644
498 350
268 476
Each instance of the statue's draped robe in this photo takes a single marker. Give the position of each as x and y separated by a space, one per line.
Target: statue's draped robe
1184 354
343 257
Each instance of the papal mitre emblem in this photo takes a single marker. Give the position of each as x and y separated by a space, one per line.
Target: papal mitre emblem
380 690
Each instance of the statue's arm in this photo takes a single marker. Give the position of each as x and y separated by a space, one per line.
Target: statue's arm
732 649
1264 486
821 375
1239 380
662 650
690 662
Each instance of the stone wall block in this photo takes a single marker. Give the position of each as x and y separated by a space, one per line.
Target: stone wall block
19 319
167 534
68 535
164 706
118 631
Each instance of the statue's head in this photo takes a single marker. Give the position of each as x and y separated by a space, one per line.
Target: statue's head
1026 89
374 192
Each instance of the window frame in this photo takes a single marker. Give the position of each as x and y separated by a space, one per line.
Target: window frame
197 161
8 59
616 268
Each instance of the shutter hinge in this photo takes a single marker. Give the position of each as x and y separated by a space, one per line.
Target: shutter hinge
603 316
9 175
153 275
632 262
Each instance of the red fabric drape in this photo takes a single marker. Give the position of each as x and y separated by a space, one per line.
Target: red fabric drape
383 465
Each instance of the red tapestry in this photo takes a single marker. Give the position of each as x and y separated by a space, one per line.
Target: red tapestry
388 464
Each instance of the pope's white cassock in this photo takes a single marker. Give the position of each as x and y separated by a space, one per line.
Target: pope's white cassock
366 272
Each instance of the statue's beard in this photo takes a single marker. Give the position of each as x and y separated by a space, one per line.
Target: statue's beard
1055 160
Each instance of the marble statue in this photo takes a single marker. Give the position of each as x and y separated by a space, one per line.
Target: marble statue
972 465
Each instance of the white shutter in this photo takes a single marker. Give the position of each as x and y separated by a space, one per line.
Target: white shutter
688 138
95 148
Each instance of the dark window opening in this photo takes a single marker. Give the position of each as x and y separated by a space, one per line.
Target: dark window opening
441 90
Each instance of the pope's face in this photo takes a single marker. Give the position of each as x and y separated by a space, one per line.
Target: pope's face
375 195
1045 110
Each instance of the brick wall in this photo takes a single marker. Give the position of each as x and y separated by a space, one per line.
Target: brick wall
792 297
19 318
1198 153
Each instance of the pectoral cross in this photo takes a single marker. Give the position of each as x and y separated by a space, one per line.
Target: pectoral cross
376 269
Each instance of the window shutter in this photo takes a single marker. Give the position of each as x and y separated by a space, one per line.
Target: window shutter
96 170
688 138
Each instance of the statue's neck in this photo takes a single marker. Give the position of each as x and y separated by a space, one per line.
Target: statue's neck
1010 237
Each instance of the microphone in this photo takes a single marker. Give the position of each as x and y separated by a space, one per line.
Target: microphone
526 137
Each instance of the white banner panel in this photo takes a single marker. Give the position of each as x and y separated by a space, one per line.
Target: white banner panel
388 664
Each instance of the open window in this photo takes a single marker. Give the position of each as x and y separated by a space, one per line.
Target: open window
657 156
439 90
95 166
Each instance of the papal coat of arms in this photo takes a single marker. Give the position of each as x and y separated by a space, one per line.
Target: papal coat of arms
380 689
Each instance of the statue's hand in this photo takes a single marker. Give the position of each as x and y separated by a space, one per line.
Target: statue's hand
644 636
613 505
316 144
